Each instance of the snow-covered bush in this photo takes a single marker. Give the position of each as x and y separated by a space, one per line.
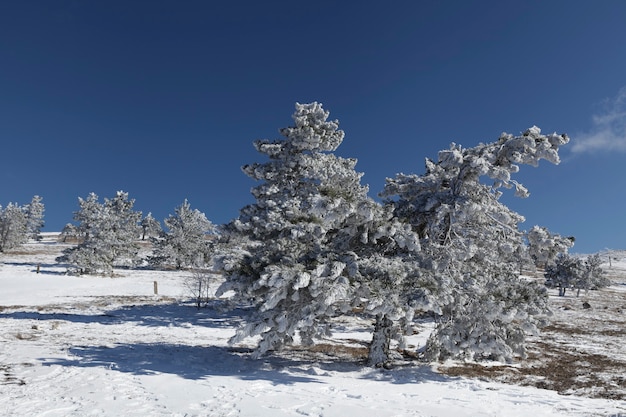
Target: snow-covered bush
595 277
198 285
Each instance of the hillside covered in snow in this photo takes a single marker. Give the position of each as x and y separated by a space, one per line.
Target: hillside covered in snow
90 345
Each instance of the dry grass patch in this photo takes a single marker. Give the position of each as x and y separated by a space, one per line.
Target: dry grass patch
349 350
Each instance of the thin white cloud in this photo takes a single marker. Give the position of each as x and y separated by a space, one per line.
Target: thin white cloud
609 129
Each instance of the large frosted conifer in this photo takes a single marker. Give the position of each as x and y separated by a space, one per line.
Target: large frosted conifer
314 238
470 242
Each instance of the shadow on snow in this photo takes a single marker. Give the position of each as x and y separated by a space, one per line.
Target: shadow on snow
201 361
44 268
198 362
218 315
191 362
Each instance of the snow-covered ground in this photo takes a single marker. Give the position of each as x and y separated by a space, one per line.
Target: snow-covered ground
94 346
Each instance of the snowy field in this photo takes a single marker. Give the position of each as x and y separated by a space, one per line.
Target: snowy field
94 346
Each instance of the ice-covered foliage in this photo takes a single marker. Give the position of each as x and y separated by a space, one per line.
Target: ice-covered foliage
313 245
544 246
391 284
489 315
595 277
471 243
13 227
107 233
186 242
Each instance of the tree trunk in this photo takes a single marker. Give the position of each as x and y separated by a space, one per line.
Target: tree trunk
379 347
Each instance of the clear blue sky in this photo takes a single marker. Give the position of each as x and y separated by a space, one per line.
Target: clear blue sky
163 99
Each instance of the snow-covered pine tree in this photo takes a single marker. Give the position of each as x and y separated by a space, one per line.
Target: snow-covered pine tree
470 241
595 277
108 231
34 218
150 227
185 243
315 243
13 227
88 215
123 229
70 233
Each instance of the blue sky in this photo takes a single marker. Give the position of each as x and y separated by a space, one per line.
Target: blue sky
163 99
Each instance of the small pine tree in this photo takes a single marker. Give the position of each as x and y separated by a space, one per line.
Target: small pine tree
70 233
566 272
122 230
186 242
34 218
88 216
150 227
596 278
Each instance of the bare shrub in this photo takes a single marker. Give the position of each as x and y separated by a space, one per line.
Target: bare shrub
198 285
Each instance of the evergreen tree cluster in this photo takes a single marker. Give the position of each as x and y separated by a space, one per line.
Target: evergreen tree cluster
107 232
314 246
569 272
108 236
20 223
